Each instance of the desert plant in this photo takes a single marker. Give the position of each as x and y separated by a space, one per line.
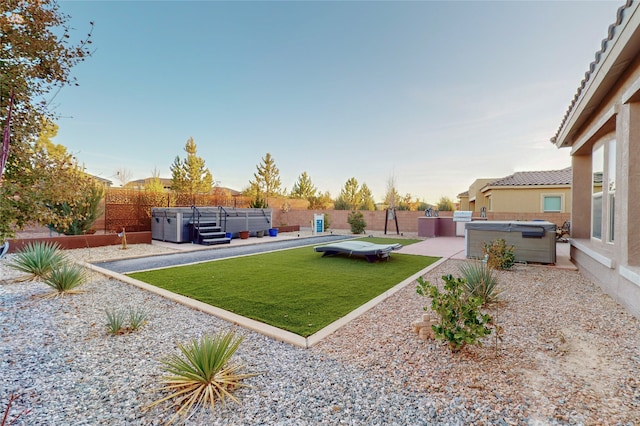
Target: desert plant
480 281
356 220
461 322
115 321
137 318
37 259
498 254
202 374
65 279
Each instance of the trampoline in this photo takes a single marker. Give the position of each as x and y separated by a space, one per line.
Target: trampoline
370 251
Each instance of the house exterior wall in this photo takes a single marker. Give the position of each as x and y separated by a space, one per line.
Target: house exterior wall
526 198
611 259
464 203
476 199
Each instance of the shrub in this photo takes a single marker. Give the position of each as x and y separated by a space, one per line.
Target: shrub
327 221
65 279
81 214
480 281
356 220
202 374
37 259
498 254
461 322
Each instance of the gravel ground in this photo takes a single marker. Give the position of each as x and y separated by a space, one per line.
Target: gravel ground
568 355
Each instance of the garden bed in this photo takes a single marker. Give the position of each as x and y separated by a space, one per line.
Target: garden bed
83 241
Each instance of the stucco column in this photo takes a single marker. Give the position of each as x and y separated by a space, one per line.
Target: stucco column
628 183
581 196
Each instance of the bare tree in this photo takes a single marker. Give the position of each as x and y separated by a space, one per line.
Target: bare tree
124 175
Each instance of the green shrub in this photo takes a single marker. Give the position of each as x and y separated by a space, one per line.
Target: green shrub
461 322
498 254
480 281
37 259
327 221
137 318
356 220
81 214
65 279
202 374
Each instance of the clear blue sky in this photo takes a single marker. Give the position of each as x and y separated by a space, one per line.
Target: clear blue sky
434 94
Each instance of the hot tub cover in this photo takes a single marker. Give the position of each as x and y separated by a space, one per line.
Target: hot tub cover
369 250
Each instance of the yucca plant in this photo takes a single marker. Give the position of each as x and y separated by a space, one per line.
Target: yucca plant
201 375
115 321
37 259
137 318
65 279
480 281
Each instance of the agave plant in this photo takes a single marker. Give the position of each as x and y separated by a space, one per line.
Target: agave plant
37 259
480 281
65 279
201 375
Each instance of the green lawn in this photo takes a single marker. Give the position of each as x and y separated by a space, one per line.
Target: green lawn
297 290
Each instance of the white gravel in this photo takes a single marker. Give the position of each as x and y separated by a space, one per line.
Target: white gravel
570 355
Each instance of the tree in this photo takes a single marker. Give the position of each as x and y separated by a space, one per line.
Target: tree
190 176
70 197
37 58
320 202
154 184
445 204
267 178
392 197
367 201
124 175
303 188
350 196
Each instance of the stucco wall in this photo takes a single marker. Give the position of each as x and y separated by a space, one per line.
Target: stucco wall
526 199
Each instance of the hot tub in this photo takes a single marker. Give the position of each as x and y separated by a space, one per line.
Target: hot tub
533 241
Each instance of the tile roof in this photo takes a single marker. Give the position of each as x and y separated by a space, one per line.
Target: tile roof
592 67
546 177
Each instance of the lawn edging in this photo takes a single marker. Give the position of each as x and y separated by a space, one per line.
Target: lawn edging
257 326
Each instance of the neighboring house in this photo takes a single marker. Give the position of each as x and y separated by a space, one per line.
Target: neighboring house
473 199
530 192
602 130
546 191
106 183
139 184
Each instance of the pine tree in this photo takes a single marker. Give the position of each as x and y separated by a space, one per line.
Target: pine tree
303 188
190 176
267 179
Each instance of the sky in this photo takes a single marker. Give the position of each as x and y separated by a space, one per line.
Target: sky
428 95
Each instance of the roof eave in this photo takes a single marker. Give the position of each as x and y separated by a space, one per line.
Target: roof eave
617 53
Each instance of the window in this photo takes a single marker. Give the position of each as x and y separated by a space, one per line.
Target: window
611 188
597 172
552 203
603 193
